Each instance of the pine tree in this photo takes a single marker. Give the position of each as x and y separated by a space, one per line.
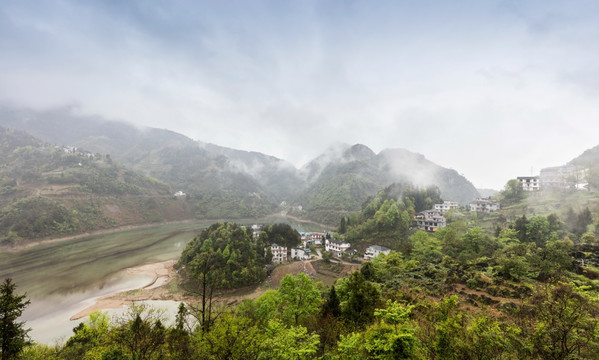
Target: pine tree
13 335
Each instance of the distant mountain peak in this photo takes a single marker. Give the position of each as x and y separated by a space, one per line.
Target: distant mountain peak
358 152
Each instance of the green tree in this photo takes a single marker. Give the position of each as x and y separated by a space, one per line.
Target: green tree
13 334
565 326
282 343
362 297
298 298
512 192
140 332
392 337
538 231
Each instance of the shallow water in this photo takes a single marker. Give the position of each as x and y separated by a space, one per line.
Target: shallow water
49 317
62 278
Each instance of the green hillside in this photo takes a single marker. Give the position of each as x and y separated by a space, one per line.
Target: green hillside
340 183
224 183
48 190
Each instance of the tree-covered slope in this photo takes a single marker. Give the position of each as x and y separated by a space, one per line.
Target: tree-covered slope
340 180
48 190
229 183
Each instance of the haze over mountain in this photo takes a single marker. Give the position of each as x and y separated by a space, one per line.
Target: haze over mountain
225 182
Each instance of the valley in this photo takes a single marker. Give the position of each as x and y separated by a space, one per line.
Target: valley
62 276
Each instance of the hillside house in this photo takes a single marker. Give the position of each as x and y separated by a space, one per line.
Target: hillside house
180 194
430 220
256 229
530 183
337 247
564 177
301 253
375 250
279 253
484 205
446 206
317 238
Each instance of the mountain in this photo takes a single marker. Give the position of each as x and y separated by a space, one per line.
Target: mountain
48 190
229 183
342 178
223 183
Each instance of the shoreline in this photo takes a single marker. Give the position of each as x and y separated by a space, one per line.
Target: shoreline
141 226
161 273
91 233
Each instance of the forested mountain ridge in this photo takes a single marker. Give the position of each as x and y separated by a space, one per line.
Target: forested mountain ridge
48 190
343 178
228 183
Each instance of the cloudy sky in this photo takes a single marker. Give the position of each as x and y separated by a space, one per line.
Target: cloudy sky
493 89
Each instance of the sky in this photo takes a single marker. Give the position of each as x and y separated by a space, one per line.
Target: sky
492 89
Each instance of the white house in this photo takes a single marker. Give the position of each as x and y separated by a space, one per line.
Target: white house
180 193
375 250
317 238
301 254
279 253
530 183
447 205
564 177
335 246
430 220
484 205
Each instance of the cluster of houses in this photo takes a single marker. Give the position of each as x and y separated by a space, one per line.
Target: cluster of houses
337 248
74 150
561 177
566 177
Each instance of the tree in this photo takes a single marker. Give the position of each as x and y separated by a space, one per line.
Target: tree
282 343
512 192
13 335
342 226
362 297
140 332
584 219
298 298
566 326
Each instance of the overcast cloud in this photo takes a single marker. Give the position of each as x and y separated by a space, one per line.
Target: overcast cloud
489 88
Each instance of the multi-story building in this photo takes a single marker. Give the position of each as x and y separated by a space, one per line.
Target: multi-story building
447 205
317 238
530 183
375 250
430 220
279 253
564 177
337 247
301 254
484 205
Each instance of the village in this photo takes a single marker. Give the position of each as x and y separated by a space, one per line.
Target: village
559 178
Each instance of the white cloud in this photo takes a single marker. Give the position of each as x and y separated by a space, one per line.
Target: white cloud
489 89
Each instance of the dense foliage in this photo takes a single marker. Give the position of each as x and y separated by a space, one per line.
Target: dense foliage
529 292
281 234
49 190
386 218
13 334
227 253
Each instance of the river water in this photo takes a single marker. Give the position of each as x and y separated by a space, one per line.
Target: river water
62 278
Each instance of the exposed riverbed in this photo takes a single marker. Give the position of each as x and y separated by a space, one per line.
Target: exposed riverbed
64 278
